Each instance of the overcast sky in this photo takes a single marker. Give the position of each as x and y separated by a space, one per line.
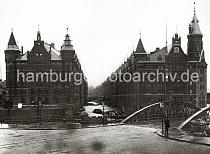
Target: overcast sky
104 32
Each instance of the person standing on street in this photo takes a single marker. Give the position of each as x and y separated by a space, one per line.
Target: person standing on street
167 126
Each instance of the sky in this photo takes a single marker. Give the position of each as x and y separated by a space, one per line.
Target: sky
103 32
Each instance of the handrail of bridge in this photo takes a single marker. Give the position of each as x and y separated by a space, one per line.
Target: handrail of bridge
184 102
158 103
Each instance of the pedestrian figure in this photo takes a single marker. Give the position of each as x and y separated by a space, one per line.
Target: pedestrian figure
167 126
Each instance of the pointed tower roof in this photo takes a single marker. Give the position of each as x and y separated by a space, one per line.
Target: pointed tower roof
12 45
194 26
12 40
38 35
140 47
67 43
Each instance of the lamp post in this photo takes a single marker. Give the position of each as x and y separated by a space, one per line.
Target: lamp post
162 105
40 111
103 112
39 104
37 110
195 100
170 95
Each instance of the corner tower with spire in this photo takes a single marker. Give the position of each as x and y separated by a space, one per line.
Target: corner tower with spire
195 43
67 51
12 52
140 54
197 61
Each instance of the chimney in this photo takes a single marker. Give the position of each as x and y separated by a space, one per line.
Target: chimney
52 45
157 48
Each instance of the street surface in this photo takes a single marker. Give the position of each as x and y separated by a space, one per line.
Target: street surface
113 139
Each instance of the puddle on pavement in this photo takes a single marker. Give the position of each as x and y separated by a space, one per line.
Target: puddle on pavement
97 146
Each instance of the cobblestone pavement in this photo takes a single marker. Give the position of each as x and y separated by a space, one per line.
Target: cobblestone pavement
113 139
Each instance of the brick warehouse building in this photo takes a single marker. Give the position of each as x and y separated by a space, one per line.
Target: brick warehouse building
131 96
44 58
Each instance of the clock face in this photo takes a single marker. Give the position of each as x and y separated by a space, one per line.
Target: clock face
176 49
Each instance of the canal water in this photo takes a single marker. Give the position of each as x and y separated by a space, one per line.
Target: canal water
93 105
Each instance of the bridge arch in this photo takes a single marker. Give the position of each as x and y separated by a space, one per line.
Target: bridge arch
197 114
133 114
167 105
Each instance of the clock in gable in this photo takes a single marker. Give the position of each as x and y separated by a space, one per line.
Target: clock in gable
176 49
